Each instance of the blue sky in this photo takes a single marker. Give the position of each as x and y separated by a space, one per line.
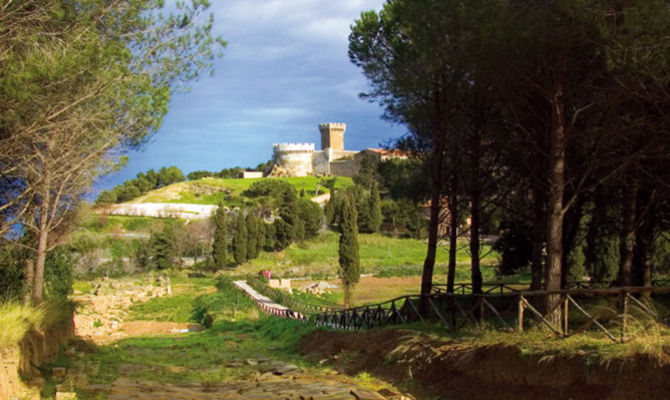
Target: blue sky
285 70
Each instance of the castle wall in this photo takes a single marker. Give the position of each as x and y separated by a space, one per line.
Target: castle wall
343 168
321 162
296 158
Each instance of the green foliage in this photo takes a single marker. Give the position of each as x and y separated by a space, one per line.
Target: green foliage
514 246
160 249
661 255
283 234
16 320
349 271
366 174
195 175
240 239
144 183
12 272
270 235
375 210
58 277
403 178
255 235
220 242
603 243
311 215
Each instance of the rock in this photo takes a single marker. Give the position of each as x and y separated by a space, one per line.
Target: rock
362 394
286 369
387 392
66 396
96 388
252 362
235 363
325 360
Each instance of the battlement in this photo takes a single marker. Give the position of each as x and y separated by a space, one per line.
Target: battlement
332 135
291 147
333 125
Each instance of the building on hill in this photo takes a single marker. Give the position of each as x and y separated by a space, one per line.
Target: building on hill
302 159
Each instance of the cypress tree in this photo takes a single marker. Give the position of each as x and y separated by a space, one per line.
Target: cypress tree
220 244
283 234
288 211
362 206
375 209
260 239
252 236
240 240
349 271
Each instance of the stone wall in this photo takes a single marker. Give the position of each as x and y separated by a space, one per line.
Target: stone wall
343 168
19 361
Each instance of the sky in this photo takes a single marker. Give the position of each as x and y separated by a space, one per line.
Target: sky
284 71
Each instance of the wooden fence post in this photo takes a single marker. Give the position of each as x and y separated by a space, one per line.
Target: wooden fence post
520 306
624 322
481 311
565 316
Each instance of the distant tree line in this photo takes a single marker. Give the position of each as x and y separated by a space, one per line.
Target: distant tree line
227 173
143 183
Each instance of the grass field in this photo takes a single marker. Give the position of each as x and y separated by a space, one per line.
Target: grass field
379 254
232 193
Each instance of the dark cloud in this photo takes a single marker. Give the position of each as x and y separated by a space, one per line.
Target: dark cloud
284 71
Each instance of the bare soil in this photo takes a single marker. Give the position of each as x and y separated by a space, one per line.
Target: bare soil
430 367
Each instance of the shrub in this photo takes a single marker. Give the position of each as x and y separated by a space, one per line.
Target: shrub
58 278
514 246
240 238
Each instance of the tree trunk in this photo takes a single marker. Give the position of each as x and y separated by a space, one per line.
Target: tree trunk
435 192
539 224
29 278
476 273
644 237
571 223
453 239
40 259
628 234
552 278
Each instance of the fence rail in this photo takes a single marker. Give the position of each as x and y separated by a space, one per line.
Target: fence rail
506 287
617 312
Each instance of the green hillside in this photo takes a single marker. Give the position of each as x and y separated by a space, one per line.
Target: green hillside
229 191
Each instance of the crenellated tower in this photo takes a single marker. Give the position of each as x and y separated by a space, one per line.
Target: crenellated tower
332 135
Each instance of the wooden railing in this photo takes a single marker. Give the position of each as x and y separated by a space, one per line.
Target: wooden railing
615 312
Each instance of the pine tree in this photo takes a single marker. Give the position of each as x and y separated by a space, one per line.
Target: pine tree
375 209
220 244
252 235
349 271
240 238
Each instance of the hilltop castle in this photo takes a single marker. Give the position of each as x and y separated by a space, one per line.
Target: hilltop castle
301 159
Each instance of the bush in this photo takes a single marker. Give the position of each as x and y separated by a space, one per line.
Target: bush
514 246
58 278
12 272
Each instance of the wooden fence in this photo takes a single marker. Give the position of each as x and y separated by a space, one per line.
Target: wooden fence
616 313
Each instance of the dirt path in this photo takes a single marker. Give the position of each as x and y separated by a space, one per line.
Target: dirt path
137 373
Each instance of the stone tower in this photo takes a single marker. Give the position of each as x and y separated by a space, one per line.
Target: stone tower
332 135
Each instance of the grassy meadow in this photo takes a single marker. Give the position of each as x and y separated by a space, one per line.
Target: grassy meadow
380 255
232 190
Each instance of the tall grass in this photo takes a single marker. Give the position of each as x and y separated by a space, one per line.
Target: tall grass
17 319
